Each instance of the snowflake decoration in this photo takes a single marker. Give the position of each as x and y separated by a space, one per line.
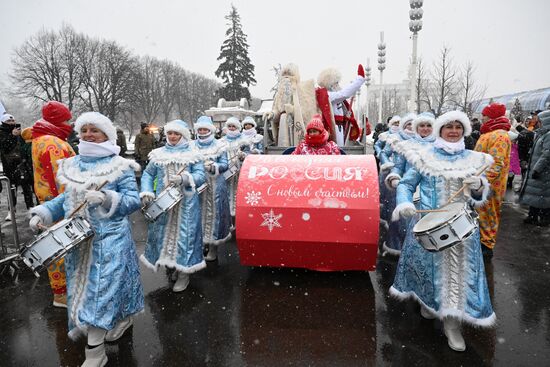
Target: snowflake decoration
271 220
253 197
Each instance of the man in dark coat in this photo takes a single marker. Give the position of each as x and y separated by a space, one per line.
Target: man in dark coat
535 191
121 141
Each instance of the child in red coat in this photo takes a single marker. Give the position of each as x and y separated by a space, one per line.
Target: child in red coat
316 140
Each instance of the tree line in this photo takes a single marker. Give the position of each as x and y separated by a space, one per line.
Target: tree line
91 74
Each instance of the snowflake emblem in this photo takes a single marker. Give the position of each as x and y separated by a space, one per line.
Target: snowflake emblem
253 197
271 220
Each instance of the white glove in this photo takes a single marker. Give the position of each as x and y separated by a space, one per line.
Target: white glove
255 151
386 166
394 183
175 179
94 197
146 200
408 212
267 116
212 168
473 182
35 223
289 108
241 155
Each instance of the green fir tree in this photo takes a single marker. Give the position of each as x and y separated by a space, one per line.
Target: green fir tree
236 69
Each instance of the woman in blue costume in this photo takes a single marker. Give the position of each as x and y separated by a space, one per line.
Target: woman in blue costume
234 140
216 218
174 240
451 284
395 234
256 141
103 279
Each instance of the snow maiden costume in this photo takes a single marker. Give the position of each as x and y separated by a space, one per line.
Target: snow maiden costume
174 240
103 278
451 284
255 141
395 236
216 218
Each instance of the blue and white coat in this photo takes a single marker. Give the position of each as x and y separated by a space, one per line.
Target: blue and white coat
235 157
174 240
451 282
216 216
103 278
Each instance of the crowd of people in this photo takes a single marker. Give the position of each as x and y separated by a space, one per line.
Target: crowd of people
426 164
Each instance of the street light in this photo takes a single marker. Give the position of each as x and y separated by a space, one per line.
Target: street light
415 25
367 84
381 67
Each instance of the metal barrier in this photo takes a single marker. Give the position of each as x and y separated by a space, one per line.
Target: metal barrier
9 251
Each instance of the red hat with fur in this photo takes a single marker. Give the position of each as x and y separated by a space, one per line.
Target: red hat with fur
56 112
494 110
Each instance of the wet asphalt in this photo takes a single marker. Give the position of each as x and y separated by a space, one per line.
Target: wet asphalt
232 315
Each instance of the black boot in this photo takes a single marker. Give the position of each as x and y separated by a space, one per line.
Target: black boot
486 252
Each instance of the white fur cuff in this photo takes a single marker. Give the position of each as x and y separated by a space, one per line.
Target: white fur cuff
399 209
485 192
43 213
390 178
107 209
387 166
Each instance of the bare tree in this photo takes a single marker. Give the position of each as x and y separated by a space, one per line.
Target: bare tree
421 84
469 93
147 91
44 67
440 92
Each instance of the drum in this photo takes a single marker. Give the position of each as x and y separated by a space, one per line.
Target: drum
55 242
438 231
163 203
201 188
231 171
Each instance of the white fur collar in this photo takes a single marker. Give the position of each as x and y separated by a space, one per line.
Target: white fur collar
402 146
237 143
431 161
73 177
214 150
164 157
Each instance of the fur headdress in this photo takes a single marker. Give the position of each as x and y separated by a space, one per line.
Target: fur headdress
249 120
204 122
393 119
290 70
233 121
178 126
450 117
100 121
405 120
328 78
424 117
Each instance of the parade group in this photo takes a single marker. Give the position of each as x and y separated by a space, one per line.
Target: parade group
424 166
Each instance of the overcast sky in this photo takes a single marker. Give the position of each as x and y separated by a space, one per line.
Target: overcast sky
506 40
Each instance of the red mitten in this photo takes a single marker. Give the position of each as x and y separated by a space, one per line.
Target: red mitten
360 71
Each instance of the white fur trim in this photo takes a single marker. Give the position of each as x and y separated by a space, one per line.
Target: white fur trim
204 125
191 184
249 120
163 157
172 264
220 241
387 166
328 78
399 208
113 198
100 121
403 146
478 203
421 119
70 175
233 121
427 163
177 126
450 117
444 313
389 179
212 151
43 213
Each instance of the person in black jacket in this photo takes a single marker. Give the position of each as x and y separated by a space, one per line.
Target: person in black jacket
525 140
11 144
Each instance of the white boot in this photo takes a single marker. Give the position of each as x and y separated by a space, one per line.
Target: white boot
95 357
182 282
455 340
212 254
119 329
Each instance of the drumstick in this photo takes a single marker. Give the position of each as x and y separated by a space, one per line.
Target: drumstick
431 210
481 170
86 201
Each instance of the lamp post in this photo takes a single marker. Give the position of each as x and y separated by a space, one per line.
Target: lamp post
415 25
367 84
381 67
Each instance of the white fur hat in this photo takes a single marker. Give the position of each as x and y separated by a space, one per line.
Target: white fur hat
249 120
424 117
6 117
328 78
393 119
100 121
233 121
408 118
450 117
204 122
178 126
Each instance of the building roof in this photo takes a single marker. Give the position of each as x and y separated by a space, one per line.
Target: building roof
538 99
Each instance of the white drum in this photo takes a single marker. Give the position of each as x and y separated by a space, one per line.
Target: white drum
440 230
202 188
163 203
231 171
55 242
